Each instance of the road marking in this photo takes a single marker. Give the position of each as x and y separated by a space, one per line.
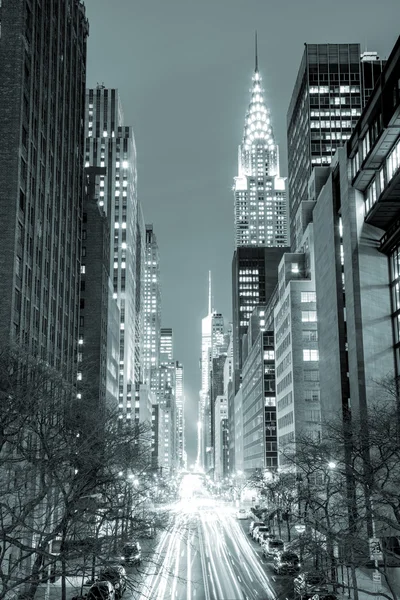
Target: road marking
239 579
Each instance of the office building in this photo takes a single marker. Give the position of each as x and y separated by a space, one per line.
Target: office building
167 418
98 354
180 413
166 345
296 350
111 144
260 191
332 85
152 305
221 455
139 308
356 256
254 278
258 433
41 178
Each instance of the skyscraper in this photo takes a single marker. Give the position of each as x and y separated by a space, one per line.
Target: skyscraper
332 85
111 144
98 354
166 345
41 176
260 192
152 305
254 278
212 340
180 412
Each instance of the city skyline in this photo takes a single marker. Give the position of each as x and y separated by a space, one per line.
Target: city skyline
191 86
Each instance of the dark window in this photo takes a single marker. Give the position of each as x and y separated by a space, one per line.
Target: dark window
21 200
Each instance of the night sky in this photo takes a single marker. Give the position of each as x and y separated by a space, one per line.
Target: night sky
183 69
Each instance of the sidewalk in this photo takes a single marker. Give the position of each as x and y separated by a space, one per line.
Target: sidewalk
364 582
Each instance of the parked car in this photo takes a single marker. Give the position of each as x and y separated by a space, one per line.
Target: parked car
257 531
101 590
265 536
254 524
116 575
242 514
132 554
286 562
309 583
272 547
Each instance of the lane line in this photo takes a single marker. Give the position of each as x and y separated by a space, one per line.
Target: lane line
203 560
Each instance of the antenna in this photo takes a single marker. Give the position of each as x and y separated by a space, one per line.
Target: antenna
209 292
256 52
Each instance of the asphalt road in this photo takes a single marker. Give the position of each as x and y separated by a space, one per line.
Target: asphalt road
207 555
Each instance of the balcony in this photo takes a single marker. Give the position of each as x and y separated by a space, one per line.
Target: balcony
387 206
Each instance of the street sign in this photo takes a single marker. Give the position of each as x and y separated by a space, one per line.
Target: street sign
375 549
376 576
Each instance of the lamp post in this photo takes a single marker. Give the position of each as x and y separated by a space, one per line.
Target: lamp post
300 528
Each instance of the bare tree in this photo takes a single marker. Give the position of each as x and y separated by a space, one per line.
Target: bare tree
65 473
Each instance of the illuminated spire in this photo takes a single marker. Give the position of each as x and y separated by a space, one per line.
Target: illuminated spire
256 48
258 124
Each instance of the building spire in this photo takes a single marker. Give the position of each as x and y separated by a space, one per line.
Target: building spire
209 293
256 53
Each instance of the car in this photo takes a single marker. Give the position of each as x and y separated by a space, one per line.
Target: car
241 513
265 536
309 583
132 554
101 590
286 562
116 575
254 524
257 531
271 547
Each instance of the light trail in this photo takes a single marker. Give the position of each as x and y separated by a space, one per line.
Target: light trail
188 569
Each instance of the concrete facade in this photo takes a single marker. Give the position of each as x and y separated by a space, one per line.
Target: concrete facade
296 350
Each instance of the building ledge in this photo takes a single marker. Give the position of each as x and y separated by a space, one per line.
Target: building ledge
387 206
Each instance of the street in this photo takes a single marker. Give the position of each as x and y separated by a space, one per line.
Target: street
207 555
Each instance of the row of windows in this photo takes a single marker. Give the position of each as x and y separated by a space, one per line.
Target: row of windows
285 401
308 297
287 360
286 420
286 381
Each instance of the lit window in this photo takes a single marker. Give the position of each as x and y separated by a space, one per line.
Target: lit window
308 316
125 164
309 355
295 268
79 376
83 269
